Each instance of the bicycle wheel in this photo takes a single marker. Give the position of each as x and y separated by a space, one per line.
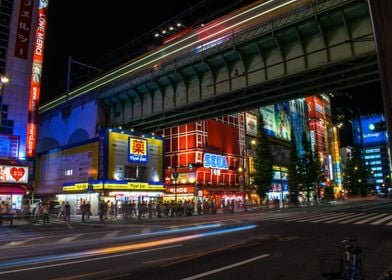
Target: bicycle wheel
359 273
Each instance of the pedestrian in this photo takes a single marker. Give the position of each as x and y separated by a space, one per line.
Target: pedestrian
38 212
2 209
61 214
84 210
101 210
88 210
45 213
67 212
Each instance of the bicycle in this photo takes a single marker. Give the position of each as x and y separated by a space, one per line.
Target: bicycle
351 260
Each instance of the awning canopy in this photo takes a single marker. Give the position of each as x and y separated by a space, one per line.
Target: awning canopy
12 189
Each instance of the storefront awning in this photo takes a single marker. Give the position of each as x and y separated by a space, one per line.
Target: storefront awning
12 189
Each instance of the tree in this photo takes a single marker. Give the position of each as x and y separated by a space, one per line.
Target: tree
262 177
356 175
319 175
307 167
293 170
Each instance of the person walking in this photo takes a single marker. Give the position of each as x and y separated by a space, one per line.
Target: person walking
61 214
45 213
84 210
67 212
88 210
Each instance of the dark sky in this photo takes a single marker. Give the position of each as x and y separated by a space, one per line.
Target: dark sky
91 31
105 33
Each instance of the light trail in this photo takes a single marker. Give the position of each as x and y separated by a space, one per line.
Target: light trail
126 69
121 248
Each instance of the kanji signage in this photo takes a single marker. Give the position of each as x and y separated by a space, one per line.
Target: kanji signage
137 150
23 28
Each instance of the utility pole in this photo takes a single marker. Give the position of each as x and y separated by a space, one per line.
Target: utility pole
69 68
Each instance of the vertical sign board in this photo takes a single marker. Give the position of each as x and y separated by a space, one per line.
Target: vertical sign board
23 28
35 83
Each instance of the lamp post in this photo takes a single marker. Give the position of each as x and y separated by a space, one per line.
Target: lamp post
3 81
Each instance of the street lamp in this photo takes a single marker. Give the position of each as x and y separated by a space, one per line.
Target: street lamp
3 81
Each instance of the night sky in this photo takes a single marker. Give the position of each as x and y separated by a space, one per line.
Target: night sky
107 33
96 32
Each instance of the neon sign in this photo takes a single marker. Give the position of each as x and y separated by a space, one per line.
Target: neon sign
215 161
137 150
35 83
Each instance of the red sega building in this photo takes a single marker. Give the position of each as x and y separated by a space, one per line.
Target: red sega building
203 161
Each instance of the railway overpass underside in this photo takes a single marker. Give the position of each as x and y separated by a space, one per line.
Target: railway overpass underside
326 47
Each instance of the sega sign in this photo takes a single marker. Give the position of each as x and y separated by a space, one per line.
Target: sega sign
215 161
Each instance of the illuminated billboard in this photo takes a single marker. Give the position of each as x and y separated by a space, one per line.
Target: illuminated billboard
368 136
13 174
277 120
134 158
35 83
251 124
9 146
137 150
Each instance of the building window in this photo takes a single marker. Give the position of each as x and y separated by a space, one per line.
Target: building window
68 172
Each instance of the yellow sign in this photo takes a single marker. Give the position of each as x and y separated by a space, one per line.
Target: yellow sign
113 186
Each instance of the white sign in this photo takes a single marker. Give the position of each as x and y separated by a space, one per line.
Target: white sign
13 174
215 161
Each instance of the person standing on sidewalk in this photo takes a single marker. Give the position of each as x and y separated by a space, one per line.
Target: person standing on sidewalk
84 210
67 212
88 209
45 213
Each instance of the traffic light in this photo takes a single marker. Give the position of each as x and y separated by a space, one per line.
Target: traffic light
378 126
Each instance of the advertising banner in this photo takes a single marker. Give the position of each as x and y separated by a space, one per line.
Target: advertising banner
251 124
269 119
13 174
9 146
282 120
147 153
364 135
35 83
23 28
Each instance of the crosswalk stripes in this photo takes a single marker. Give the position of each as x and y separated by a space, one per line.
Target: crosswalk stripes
323 219
382 220
359 217
370 219
340 219
334 217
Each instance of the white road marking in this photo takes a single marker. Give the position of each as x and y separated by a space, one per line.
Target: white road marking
344 217
111 234
360 216
225 267
382 220
20 242
370 219
67 239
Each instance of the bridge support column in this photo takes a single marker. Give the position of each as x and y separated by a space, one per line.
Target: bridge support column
382 21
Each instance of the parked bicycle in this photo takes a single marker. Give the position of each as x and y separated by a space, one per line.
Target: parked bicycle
346 265
352 267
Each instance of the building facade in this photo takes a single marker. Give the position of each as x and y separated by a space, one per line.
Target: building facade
370 137
22 33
